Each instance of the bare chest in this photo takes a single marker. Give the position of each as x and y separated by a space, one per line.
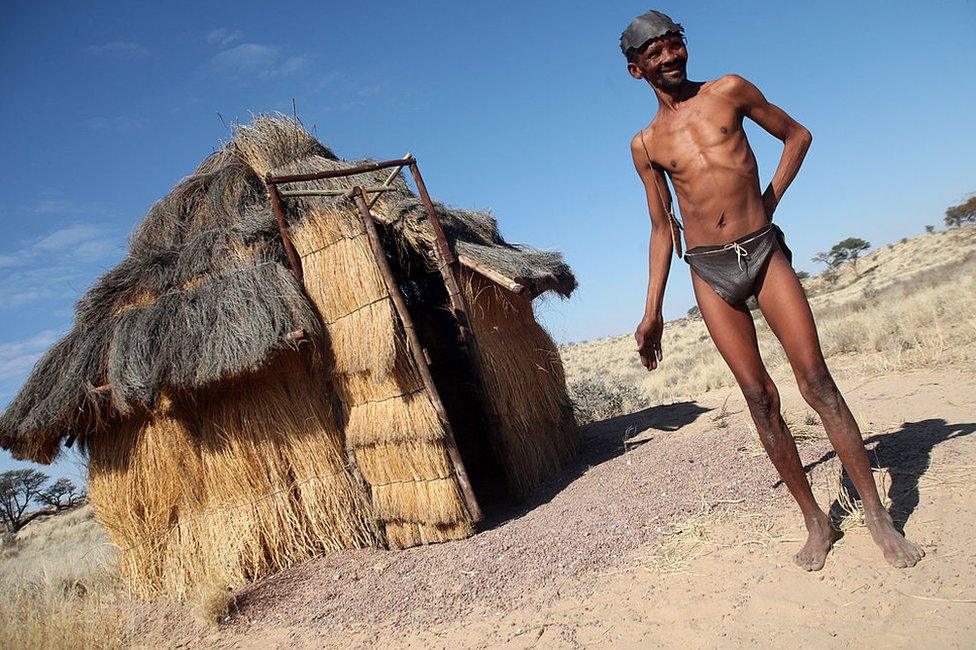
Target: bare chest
700 137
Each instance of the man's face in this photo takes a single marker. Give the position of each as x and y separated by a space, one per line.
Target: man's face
662 63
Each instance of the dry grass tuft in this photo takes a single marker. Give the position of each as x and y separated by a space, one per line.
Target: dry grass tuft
61 611
688 540
60 586
595 400
847 511
211 603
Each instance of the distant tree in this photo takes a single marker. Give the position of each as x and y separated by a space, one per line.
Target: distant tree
802 275
61 495
846 250
18 489
930 229
965 212
825 258
694 312
851 248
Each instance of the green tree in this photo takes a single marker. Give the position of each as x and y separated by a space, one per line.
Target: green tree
18 489
802 275
846 250
61 495
930 229
694 312
965 212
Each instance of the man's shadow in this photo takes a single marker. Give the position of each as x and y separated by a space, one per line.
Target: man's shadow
907 455
600 441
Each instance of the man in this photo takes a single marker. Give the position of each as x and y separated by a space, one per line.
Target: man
697 139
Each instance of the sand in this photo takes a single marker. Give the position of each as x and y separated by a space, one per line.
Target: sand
597 563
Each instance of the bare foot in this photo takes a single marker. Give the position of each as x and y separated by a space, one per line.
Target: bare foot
820 537
898 551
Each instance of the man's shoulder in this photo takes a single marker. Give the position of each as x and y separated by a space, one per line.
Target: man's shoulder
642 139
729 84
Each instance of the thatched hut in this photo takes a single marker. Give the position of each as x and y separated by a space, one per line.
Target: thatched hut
239 417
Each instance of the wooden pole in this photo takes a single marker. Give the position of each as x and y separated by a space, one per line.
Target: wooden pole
420 359
493 275
336 192
271 179
279 212
389 179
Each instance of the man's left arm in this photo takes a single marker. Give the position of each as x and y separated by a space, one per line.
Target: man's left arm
795 137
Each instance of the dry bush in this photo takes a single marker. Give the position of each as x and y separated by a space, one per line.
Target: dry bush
595 400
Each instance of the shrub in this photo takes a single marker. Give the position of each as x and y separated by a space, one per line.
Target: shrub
594 399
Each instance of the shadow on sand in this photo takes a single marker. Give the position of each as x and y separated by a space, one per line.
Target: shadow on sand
600 442
907 455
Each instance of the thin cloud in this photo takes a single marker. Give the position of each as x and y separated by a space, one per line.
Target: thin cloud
64 207
69 237
49 266
255 61
223 36
18 357
119 50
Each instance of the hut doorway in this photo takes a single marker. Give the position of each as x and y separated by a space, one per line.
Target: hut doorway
450 366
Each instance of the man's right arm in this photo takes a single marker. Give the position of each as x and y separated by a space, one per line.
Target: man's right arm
651 327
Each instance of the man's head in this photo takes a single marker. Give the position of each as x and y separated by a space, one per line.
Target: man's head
655 49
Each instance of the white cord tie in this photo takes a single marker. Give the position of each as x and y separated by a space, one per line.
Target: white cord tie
740 252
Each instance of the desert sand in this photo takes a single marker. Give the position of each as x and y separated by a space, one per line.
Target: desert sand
720 576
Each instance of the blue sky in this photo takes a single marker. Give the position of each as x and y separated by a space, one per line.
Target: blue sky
524 108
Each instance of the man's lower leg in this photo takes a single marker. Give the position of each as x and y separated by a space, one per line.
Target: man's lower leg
763 403
821 393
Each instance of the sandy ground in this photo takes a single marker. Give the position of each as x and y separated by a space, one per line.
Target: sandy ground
672 530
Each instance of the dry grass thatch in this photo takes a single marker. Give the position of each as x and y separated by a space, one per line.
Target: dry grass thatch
525 383
231 487
391 426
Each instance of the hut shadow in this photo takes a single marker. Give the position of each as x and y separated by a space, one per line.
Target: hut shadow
600 442
907 455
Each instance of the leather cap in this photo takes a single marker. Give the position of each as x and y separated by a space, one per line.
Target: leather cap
647 27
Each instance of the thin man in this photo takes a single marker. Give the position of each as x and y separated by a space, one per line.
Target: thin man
696 139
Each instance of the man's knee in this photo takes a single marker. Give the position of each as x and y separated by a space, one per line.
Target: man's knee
818 389
763 401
